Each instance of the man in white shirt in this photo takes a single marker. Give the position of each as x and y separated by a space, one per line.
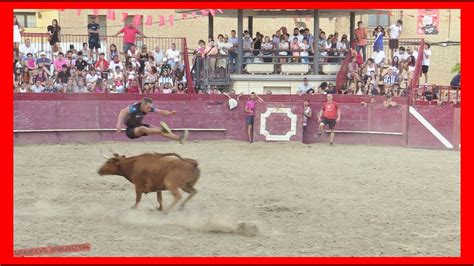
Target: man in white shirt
297 34
425 65
158 55
379 60
27 48
401 54
171 54
394 34
305 87
115 62
37 87
412 51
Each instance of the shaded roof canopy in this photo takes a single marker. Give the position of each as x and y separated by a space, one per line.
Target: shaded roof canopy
285 13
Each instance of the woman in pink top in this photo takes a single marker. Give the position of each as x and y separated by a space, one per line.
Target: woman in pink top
250 113
30 62
295 49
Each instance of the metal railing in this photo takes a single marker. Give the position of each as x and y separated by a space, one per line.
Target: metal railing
40 42
436 94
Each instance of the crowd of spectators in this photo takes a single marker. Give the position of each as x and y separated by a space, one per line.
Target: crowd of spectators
136 70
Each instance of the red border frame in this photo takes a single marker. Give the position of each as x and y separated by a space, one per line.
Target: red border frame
6 188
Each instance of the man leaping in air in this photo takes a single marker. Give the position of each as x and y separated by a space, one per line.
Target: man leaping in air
132 117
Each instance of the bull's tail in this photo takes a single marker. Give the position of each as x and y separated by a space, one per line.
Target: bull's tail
191 161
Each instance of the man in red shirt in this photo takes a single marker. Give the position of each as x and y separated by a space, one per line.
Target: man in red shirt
330 115
129 36
361 39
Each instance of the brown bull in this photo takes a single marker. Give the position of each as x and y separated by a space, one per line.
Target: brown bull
155 173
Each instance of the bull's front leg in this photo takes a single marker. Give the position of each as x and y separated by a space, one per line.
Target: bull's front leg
160 200
138 194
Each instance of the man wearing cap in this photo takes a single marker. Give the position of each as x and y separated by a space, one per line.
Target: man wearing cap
94 41
43 61
305 87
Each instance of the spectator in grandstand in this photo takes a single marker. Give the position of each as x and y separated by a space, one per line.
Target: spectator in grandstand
323 45
133 52
283 51
378 34
307 113
331 89
332 49
379 60
180 89
86 53
94 41
59 62
401 54
276 38
295 50
305 48
322 88
150 63
395 64
63 75
165 80
134 87
409 67
81 65
102 65
426 61
71 62
412 51
17 30
100 86
360 88
30 62
54 30
115 63
297 35
81 86
267 49
25 49
151 77
223 45
361 39
330 114
305 87
73 50
389 102
42 75
37 87
50 87
372 89
211 53
343 46
394 32
308 36
247 47
43 61
70 86
91 77
143 58
158 55
456 81
129 36
256 46
25 76
172 53
113 51
165 66
233 51
250 113
369 69
353 70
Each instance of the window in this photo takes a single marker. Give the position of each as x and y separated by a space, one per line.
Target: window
102 21
27 20
378 19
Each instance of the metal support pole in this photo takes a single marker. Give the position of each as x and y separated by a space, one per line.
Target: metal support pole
352 26
240 34
211 25
316 40
250 28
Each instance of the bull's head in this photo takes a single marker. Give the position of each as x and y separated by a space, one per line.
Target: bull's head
112 165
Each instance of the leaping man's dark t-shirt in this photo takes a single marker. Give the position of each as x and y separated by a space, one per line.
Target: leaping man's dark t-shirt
135 116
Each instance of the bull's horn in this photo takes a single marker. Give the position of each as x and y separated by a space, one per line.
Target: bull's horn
102 153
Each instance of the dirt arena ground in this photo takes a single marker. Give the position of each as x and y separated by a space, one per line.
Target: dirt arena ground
261 199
